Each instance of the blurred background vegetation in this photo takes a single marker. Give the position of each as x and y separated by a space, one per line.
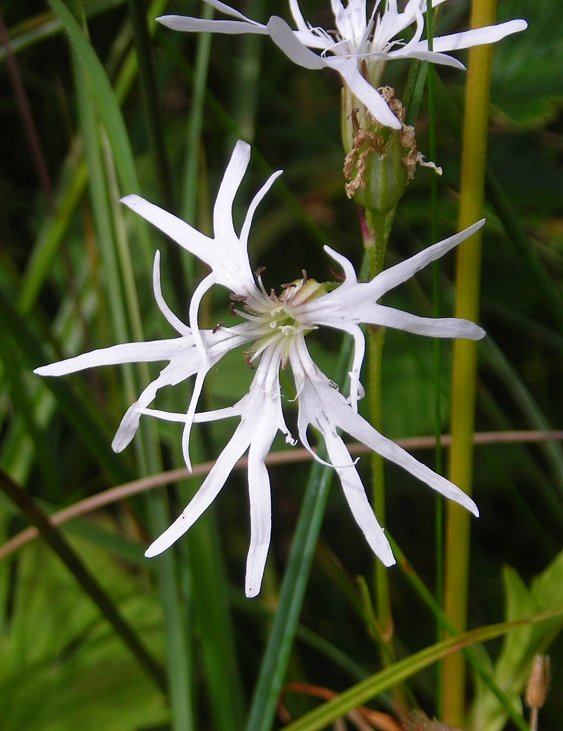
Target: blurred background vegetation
75 274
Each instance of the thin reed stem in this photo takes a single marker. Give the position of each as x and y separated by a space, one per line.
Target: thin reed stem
464 377
431 17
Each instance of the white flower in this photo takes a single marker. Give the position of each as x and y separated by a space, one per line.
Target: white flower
276 326
360 45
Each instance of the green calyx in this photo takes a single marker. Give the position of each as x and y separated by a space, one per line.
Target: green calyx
380 161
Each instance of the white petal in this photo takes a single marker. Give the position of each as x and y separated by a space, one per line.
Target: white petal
435 4
165 415
321 401
399 21
346 264
395 275
195 301
199 418
223 209
359 429
196 393
392 22
150 351
227 10
225 339
175 321
174 373
178 22
442 327
351 20
356 390
282 35
313 40
260 506
254 205
207 492
356 496
424 55
417 18
475 37
200 25
355 303
179 231
378 107
298 16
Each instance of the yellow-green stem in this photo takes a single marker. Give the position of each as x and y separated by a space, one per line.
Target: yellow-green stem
465 354
377 235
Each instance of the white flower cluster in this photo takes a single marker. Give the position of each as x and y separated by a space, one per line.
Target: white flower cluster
273 332
360 45
274 326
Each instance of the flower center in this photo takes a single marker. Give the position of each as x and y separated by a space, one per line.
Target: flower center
276 317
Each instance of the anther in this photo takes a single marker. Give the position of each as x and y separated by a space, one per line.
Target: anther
248 354
288 329
338 276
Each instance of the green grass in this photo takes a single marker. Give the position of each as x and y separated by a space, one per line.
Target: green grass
92 634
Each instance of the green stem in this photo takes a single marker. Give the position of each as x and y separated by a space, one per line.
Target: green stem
465 354
378 231
437 344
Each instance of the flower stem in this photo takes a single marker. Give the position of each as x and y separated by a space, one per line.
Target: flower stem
431 18
465 354
376 236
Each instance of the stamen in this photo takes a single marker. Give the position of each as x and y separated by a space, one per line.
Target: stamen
288 330
338 276
248 355
237 297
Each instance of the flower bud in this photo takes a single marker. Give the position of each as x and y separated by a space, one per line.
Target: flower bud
380 161
538 682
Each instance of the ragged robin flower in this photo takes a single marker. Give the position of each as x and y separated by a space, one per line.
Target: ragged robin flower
272 332
360 45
